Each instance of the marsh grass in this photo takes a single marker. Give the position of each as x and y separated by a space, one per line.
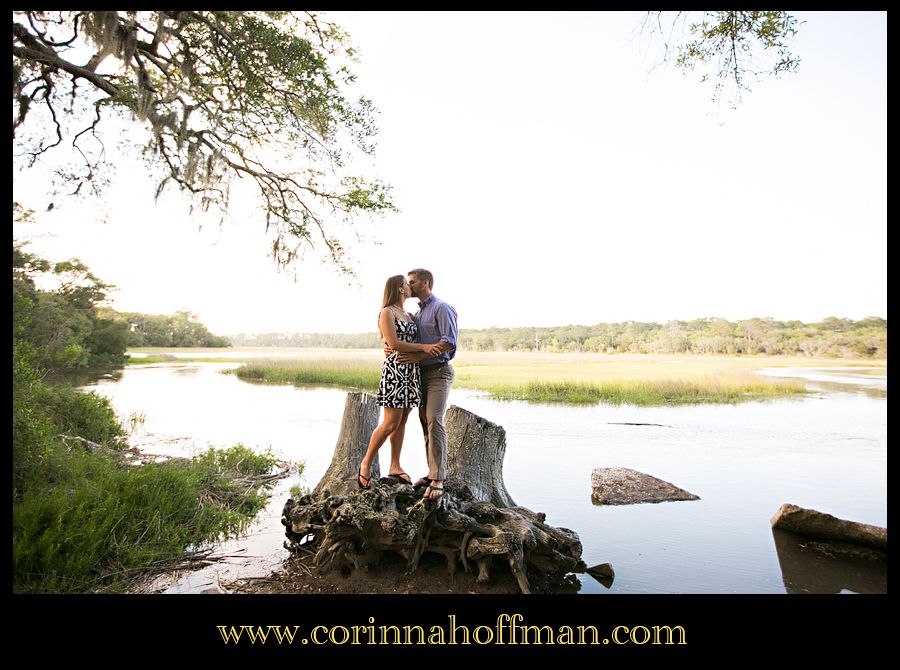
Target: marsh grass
136 419
645 392
543 379
360 375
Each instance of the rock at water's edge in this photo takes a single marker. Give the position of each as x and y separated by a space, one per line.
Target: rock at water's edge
603 573
812 523
624 486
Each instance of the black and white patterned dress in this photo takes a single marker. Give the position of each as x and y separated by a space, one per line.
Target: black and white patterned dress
400 382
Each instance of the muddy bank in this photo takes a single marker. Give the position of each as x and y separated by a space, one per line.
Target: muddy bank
388 577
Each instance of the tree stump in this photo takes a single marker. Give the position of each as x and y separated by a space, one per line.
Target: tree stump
475 451
360 419
474 524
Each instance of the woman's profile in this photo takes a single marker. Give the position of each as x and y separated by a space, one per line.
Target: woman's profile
400 387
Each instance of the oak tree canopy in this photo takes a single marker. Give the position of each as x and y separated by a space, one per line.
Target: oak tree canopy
215 95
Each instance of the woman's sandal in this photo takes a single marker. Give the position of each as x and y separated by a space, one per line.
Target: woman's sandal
365 479
400 476
422 480
433 488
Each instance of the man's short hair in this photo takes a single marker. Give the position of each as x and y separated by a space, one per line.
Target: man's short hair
423 275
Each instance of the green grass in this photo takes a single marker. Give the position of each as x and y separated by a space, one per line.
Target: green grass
361 375
644 392
84 521
94 525
538 380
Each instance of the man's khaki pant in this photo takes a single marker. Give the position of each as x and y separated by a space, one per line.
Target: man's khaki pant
436 382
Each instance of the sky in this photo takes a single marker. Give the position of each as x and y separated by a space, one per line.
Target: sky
548 171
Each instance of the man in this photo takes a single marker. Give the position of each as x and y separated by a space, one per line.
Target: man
436 321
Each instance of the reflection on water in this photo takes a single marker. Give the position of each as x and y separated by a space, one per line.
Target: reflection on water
871 382
806 569
850 388
85 377
827 453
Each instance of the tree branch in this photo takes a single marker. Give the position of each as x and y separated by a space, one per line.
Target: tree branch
214 89
35 51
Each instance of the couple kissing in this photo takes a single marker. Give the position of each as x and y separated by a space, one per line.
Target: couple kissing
416 372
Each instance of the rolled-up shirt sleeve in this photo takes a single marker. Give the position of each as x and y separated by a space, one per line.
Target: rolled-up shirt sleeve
445 318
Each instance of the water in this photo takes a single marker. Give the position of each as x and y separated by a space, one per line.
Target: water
827 452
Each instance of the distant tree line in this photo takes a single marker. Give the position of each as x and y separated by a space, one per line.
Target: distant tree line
327 340
830 338
65 328
161 330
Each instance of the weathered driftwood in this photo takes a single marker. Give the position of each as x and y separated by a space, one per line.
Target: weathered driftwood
473 525
822 526
90 446
624 486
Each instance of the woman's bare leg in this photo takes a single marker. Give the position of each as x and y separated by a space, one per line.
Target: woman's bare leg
397 444
390 422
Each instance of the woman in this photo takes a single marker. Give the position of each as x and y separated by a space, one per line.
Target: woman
399 390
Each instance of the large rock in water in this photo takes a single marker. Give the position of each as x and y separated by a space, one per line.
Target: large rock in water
624 486
822 526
